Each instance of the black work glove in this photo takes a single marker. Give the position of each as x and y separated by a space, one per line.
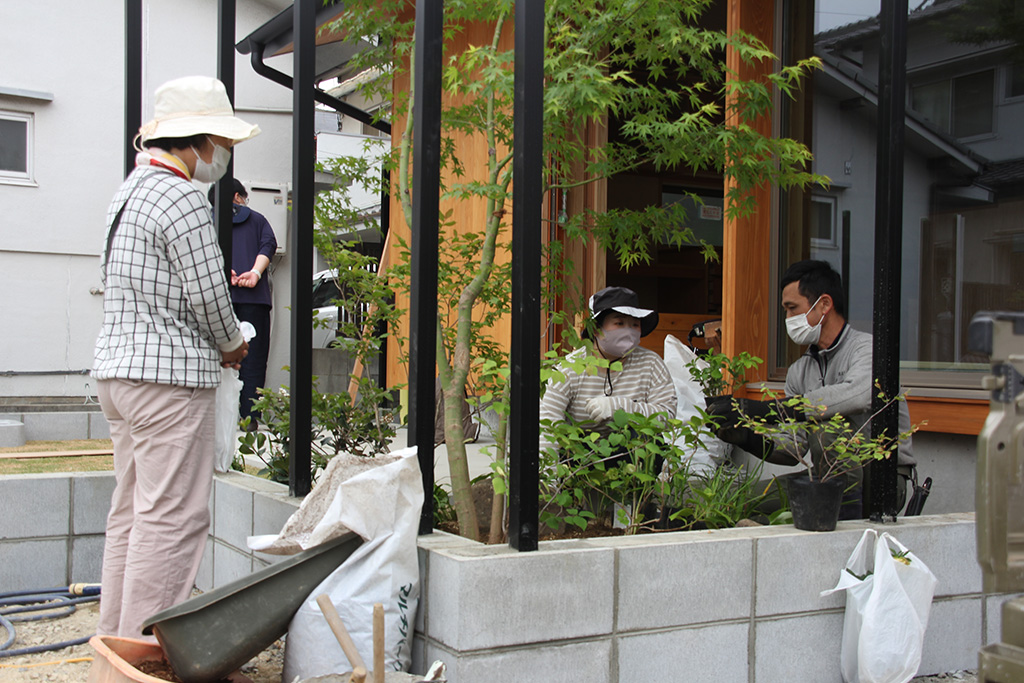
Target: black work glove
727 411
745 438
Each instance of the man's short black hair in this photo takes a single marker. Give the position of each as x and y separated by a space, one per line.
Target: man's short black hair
817 278
238 187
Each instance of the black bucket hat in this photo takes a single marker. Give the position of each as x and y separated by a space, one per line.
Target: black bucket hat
625 301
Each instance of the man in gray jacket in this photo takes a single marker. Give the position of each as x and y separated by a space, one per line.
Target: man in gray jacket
834 372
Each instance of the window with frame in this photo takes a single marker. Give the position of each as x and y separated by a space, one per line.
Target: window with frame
963 235
963 106
15 146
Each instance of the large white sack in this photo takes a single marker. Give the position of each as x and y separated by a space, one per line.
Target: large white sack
689 396
380 499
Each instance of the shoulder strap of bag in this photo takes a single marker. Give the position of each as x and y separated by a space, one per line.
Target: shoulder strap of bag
110 236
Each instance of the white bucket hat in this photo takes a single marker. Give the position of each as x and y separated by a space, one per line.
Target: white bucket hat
195 105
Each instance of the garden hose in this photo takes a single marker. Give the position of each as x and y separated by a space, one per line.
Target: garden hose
53 602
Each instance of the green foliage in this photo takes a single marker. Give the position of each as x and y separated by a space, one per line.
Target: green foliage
718 374
722 497
339 425
645 69
581 481
827 445
444 513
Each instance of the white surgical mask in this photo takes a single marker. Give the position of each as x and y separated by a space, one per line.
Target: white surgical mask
617 342
212 171
802 332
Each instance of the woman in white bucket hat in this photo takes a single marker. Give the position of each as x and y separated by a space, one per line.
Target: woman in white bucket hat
168 328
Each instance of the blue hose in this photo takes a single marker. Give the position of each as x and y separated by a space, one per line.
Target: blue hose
20 602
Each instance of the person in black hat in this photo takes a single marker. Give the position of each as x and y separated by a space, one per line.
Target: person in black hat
643 385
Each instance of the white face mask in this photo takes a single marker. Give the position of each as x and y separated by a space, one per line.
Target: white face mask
212 171
617 342
800 331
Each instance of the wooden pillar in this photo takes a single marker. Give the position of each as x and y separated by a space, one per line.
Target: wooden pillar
747 296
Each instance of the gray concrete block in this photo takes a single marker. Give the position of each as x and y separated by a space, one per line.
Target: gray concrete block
993 618
804 648
674 584
204 579
693 655
12 433
87 558
793 569
542 596
229 564
90 495
953 636
34 505
270 512
99 428
232 513
570 663
419 663
948 549
28 565
56 426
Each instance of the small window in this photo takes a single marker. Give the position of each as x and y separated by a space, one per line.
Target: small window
15 147
822 222
973 104
1015 79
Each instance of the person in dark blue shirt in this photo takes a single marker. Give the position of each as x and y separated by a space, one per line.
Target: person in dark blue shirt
253 245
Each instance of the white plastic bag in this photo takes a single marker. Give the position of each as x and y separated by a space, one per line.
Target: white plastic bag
688 397
380 499
227 419
886 611
228 396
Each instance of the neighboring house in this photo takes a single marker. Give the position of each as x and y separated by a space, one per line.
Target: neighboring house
963 234
61 158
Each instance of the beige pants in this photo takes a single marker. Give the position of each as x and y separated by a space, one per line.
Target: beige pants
159 515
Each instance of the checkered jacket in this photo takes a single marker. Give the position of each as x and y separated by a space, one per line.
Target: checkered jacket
166 310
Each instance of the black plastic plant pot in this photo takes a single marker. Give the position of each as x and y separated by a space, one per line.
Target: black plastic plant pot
725 399
814 504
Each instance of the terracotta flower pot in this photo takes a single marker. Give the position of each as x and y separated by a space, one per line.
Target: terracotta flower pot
116 660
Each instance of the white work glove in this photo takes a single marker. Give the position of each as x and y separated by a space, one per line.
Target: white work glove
600 408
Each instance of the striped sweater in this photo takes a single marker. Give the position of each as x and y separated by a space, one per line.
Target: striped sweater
643 386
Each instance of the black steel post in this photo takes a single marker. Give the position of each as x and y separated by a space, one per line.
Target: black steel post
892 77
303 159
426 182
226 73
528 127
132 78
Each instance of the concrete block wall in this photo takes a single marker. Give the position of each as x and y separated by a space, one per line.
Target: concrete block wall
736 604
730 605
62 425
52 527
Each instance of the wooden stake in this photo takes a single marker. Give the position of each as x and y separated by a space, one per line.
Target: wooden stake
378 642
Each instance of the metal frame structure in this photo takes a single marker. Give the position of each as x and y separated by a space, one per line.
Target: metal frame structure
526 239
880 490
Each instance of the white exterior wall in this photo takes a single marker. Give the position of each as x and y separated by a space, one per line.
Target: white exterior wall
51 233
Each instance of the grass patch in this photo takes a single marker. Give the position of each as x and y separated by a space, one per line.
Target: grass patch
90 463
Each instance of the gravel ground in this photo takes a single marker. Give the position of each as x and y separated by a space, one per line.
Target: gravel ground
71 665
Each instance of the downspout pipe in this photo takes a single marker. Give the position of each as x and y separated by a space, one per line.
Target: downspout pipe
268 72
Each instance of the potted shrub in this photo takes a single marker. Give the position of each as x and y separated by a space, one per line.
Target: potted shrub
719 375
830 450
